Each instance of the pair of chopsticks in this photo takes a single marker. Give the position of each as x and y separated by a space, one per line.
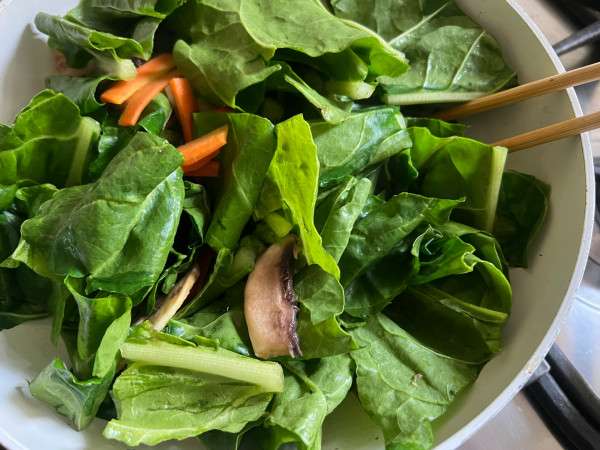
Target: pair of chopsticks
537 88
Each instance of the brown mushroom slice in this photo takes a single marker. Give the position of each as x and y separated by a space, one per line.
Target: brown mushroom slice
270 303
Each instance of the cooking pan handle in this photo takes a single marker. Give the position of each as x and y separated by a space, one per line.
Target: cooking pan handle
585 36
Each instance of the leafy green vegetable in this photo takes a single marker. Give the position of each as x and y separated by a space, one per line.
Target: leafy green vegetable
103 327
522 207
157 404
131 214
362 140
452 58
49 143
156 115
402 385
128 8
246 159
336 215
234 42
457 167
81 90
321 300
294 172
385 226
312 391
437 127
77 400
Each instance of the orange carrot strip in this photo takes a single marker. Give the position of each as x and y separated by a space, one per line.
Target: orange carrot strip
185 105
204 147
121 91
141 99
158 64
210 169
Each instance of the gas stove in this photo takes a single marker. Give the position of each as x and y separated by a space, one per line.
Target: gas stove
560 408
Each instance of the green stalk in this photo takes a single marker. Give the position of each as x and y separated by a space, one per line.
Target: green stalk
266 374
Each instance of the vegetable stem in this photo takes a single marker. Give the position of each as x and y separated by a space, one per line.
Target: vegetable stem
266 374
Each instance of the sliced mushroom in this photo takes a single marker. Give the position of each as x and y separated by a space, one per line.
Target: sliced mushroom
270 303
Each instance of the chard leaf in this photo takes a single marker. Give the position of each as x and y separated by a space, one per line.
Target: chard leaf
452 59
402 385
522 207
77 400
295 173
457 167
386 226
361 141
158 404
246 159
132 213
49 143
312 391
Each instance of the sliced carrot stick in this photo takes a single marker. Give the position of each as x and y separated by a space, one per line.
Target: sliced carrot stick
185 105
121 91
210 169
141 99
158 64
203 148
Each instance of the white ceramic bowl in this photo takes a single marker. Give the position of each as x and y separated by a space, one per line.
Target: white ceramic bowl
542 294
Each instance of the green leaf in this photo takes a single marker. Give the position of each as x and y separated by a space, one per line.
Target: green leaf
156 115
103 326
81 90
522 208
387 225
246 159
452 58
404 386
321 300
336 215
158 404
51 143
77 400
132 212
361 141
234 42
312 391
132 8
457 167
295 173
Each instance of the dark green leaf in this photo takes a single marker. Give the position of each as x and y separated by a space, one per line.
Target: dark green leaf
522 208
120 228
77 400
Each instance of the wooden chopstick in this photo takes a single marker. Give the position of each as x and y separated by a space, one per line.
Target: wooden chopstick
554 83
551 133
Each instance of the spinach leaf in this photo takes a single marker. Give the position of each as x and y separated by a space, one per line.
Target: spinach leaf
321 300
361 141
295 173
49 143
77 400
128 8
522 207
233 43
385 226
157 404
103 326
24 295
402 385
452 58
156 115
246 159
437 127
81 90
131 214
312 391
336 215
456 167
